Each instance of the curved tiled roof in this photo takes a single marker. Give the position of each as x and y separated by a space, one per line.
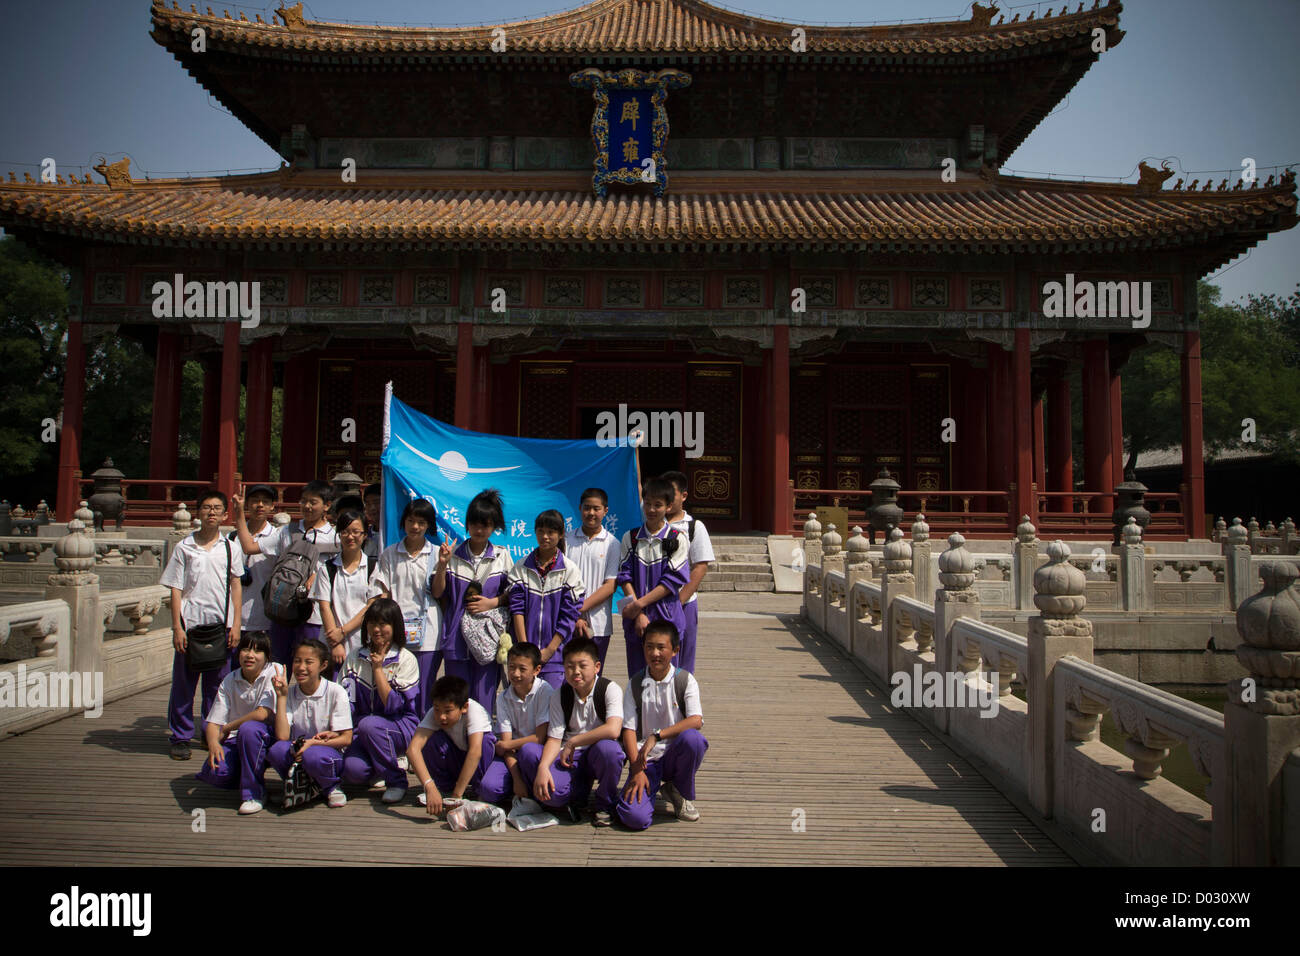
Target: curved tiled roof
642 26
908 211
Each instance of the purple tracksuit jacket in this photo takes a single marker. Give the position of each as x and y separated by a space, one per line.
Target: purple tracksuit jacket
492 573
549 606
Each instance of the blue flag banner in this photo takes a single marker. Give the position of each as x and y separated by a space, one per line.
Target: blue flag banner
448 466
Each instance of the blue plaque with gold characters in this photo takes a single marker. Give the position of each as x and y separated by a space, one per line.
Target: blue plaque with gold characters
630 126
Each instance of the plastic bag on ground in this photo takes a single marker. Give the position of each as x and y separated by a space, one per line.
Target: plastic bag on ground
528 814
475 815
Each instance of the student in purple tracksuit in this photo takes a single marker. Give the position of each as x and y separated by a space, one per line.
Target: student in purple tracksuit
314 714
476 559
403 574
652 572
237 727
453 746
546 597
381 679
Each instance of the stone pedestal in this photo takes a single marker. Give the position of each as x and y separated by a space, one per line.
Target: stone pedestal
1237 576
1132 569
1026 563
1263 815
1055 632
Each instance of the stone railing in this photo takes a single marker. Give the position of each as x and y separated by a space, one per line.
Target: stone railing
79 648
1045 747
25 562
36 645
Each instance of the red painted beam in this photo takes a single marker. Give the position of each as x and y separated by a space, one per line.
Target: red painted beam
1098 473
464 375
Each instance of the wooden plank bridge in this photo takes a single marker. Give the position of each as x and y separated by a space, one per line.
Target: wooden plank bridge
807 764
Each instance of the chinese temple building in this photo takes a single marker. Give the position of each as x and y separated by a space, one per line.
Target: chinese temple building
761 230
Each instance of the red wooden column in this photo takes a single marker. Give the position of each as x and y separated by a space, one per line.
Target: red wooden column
1040 453
228 436
257 410
299 422
164 434
74 392
209 425
781 519
1097 447
1116 429
973 433
464 375
1022 406
482 390
1000 425
1060 464
1193 440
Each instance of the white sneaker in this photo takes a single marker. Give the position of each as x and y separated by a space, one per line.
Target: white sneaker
403 763
684 808
394 795
377 783
337 798
424 799
250 806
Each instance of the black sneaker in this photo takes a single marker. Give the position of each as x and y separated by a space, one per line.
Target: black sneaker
180 751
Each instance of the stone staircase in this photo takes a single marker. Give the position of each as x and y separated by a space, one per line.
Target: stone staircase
742 564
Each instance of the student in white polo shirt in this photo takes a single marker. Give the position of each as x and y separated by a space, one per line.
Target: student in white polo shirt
523 717
595 552
313 722
403 574
204 573
258 504
453 745
586 718
661 732
237 727
314 526
698 555
342 588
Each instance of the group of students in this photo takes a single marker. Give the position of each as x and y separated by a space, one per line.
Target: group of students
366 704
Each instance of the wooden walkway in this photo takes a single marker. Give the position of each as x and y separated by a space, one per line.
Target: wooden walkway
796 732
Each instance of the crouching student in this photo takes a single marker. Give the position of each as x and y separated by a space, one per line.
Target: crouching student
661 732
581 739
381 680
546 596
313 722
523 716
238 727
453 745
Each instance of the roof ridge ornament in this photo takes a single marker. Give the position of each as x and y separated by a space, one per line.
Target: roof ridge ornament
982 16
1150 179
292 16
118 174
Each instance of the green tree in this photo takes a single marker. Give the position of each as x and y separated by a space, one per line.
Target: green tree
33 327
1249 355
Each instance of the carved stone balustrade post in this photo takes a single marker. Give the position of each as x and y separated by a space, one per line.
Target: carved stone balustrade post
1236 555
1261 726
897 580
75 584
956 598
922 559
812 540
1288 543
1220 531
1057 630
1132 569
1252 532
857 567
832 553
1026 562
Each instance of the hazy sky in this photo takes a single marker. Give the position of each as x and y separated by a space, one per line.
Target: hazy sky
1200 83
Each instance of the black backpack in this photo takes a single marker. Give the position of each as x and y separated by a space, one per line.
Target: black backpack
680 678
285 593
568 699
670 540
